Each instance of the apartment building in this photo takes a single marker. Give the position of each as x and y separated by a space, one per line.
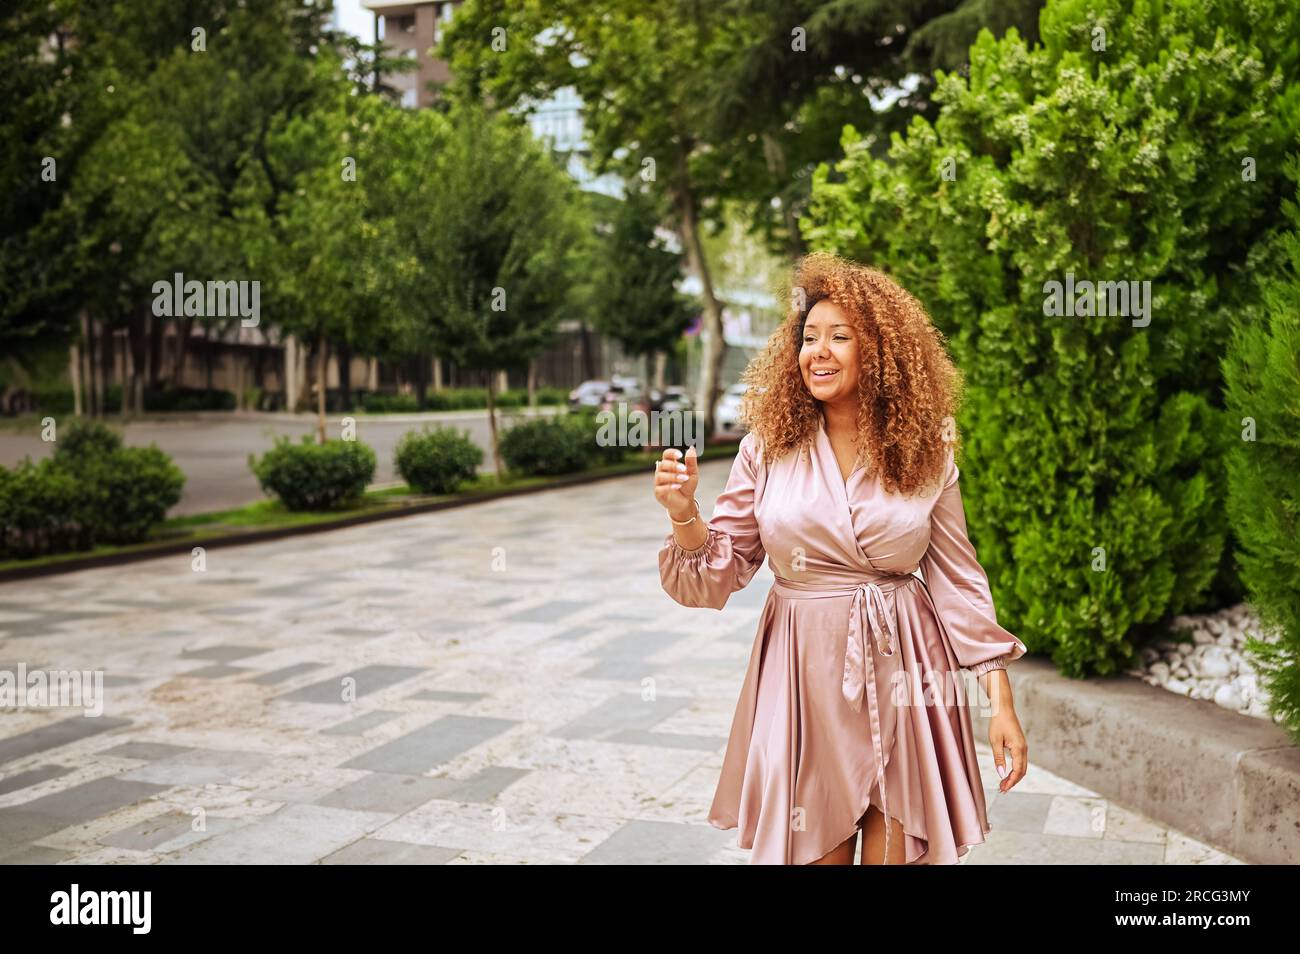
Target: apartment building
413 30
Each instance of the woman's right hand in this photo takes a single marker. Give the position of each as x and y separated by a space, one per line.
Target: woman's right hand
676 478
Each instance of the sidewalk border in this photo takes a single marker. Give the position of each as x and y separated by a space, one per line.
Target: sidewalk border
1229 780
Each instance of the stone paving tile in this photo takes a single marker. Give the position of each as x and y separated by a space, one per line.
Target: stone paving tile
417 752
362 723
557 708
34 820
55 735
368 679
376 851
42 773
295 835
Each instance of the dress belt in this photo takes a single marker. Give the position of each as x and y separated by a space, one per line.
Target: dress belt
868 613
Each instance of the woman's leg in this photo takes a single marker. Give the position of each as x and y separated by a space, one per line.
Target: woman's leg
842 854
873 839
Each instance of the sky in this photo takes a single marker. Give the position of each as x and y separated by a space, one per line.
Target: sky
356 19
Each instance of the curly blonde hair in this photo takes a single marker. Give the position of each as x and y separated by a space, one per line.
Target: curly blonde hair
908 386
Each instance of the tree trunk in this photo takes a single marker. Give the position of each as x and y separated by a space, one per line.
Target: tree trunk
489 380
532 384
138 355
155 348
320 383
74 373
344 355
290 373
421 367
714 344
183 332
127 375
103 360
588 365
774 153
661 362
207 357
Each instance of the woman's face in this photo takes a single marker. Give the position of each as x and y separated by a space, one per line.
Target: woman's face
828 358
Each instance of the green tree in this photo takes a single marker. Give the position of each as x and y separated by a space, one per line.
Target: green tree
1139 143
787 76
635 276
483 243
637 69
1262 371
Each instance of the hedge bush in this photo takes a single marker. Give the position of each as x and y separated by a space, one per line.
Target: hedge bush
1093 475
85 437
438 460
43 510
545 446
59 399
1262 370
311 476
586 423
459 399
92 491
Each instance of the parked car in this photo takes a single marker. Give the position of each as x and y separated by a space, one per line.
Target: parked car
727 415
633 399
675 399
588 394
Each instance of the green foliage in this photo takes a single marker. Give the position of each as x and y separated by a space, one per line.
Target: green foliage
84 437
43 509
437 461
586 423
1262 371
311 476
130 491
59 399
635 297
545 446
1088 436
458 399
92 491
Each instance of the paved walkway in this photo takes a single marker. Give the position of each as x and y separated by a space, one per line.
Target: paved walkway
503 683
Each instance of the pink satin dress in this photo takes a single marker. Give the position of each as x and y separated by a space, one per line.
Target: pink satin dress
855 655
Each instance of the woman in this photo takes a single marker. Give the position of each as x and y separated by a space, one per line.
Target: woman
847 482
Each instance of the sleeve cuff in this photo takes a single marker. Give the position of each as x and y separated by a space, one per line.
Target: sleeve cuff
680 553
997 662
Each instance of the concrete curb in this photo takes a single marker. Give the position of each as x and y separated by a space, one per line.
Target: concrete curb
1229 780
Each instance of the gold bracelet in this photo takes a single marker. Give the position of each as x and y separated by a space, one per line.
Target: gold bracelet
683 523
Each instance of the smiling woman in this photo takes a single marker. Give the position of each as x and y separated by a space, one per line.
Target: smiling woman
847 484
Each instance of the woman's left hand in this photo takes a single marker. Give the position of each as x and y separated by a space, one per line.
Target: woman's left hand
1005 733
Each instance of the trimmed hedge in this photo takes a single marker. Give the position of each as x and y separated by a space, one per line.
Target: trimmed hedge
562 444
459 399
59 400
437 460
92 491
311 476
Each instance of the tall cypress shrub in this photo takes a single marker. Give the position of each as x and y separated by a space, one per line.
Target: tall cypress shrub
1141 142
1262 370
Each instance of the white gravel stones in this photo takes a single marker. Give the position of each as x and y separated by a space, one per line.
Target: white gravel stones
1212 664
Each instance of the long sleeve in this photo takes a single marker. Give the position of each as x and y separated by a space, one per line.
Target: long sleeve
960 587
733 551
